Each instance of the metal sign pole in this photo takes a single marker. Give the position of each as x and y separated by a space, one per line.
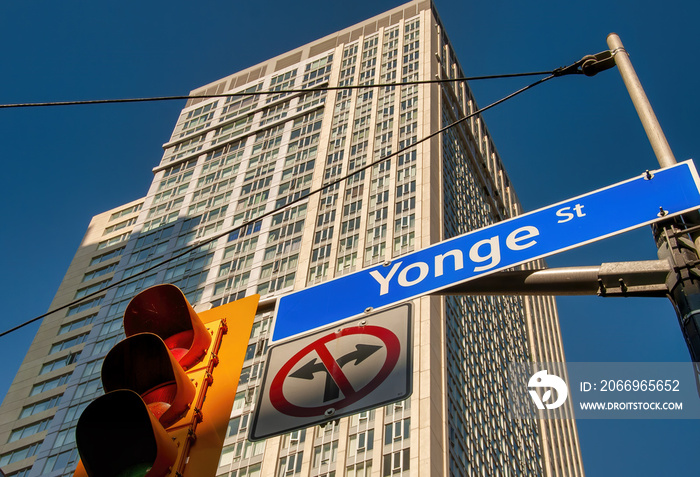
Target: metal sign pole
677 239
641 102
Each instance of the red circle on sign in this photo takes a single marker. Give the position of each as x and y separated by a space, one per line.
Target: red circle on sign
393 348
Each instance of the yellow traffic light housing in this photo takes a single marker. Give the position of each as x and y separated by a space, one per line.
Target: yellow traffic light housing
169 387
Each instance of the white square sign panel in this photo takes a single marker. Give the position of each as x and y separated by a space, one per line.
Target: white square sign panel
355 365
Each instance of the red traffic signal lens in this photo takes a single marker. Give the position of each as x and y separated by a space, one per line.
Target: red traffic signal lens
164 310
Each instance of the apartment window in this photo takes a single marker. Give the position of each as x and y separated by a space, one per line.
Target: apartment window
240 450
111 326
396 462
237 105
231 283
397 430
59 363
376 233
260 328
40 406
320 253
249 229
60 461
113 241
348 243
352 208
235 265
379 215
88 388
66 436
375 252
92 288
361 442
294 438
363 469
127 211
281 79
84 306
28 430
119 226
290 465
322 235
404 242
347 262
107 256
19 454
239 399
48 385
74 325
198 119
405 205
363 418
325 454
104 345
185 148
160 234
318 272
405 222
92 367
325 218
65 344
250 471
187 267
350 225
233 426
136 285
72 414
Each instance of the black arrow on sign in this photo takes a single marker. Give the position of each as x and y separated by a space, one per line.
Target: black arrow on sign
361 353
332 391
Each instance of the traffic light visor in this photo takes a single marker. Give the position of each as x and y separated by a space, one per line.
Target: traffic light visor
164 310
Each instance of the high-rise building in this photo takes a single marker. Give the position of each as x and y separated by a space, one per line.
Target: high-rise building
233 159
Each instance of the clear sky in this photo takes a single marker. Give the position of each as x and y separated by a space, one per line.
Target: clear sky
569 136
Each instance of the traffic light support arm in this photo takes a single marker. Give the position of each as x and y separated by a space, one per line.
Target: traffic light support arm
616 279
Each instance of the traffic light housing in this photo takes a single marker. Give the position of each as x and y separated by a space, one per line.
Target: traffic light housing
169 389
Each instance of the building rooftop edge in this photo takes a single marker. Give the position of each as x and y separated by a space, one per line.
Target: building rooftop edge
218 86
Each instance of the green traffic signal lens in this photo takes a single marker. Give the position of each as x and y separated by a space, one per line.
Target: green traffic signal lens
136 470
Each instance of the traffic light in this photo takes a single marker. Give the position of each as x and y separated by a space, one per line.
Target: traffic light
169 388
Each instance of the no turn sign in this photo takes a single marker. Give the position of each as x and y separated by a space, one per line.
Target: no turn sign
336 372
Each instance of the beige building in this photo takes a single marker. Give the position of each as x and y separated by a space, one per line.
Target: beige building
235 160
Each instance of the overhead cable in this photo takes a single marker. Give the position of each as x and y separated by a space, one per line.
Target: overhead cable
194 247
259 93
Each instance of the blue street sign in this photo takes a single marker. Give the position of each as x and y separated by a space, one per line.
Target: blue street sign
584 219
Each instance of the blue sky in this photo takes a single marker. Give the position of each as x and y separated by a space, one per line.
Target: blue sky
566 137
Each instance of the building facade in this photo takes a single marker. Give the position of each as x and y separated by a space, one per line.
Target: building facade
237 189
